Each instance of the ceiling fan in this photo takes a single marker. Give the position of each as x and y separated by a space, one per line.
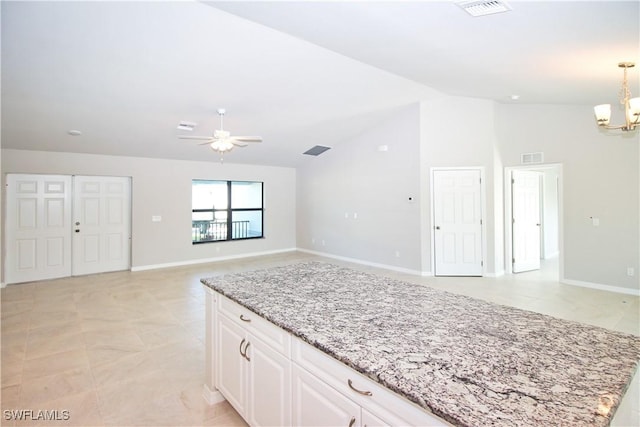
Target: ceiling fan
222 141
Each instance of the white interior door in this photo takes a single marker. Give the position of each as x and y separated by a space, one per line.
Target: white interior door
457 222
525 200
101 224
38 227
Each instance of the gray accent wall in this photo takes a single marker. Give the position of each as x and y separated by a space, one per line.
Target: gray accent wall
368 199
163 187
354 200
600 179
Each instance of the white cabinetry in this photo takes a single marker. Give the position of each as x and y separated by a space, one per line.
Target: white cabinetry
373 404
315 403
232 366
274 379
254 376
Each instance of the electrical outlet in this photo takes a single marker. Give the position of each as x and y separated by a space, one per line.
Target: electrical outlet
630 271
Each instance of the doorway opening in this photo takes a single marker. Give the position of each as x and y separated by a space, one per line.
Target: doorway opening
533 228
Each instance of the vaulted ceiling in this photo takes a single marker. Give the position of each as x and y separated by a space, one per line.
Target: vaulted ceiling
298 73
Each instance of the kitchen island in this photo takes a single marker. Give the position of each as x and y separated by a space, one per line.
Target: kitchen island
467 361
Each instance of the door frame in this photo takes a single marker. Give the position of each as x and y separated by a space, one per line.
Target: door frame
508 238
483 207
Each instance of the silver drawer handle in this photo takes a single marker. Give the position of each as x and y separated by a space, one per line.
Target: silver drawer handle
241 353
366 393
352 422
244 319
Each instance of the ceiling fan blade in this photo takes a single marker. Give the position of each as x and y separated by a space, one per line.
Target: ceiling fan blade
238 143
247 138
209 138
205 143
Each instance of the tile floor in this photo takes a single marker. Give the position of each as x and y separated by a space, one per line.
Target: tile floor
126 348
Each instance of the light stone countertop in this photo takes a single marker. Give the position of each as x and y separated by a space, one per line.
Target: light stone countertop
470 362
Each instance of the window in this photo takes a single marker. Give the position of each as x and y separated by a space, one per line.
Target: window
226 210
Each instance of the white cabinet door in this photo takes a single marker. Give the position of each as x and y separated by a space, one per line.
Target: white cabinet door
317 404
370 420
232 372
269 385
253 377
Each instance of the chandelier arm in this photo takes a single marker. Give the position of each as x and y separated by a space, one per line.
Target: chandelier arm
614 127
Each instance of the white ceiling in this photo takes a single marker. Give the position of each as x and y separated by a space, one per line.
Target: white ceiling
297 73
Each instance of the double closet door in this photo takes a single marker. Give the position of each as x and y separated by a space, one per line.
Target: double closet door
62 225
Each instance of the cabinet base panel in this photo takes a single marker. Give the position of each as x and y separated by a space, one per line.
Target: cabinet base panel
212 397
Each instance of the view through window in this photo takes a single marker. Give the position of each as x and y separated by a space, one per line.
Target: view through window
226 210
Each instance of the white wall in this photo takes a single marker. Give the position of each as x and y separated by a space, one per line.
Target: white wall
163 187
459 132
357 178
600 179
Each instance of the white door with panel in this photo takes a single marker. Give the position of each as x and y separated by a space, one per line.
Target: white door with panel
101 210
63 225
38 227
457 214
525 200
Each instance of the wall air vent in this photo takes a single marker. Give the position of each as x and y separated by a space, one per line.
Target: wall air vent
317 150
532 158
483 7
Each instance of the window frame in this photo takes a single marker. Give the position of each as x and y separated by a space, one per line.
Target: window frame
229 211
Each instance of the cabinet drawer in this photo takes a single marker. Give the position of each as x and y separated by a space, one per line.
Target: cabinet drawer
380 401
271 334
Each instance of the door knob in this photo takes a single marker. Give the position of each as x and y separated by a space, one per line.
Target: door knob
437 227
77 222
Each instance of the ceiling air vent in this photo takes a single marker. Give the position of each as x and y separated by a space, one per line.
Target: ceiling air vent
317 150
185 125
481 8
532 158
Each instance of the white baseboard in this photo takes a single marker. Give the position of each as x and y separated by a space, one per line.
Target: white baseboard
212 397
206 260
599 286
362 262
496 274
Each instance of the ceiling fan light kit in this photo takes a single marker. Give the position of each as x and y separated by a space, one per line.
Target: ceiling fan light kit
222 141
631 106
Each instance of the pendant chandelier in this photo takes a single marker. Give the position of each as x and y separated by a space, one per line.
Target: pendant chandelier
631 106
